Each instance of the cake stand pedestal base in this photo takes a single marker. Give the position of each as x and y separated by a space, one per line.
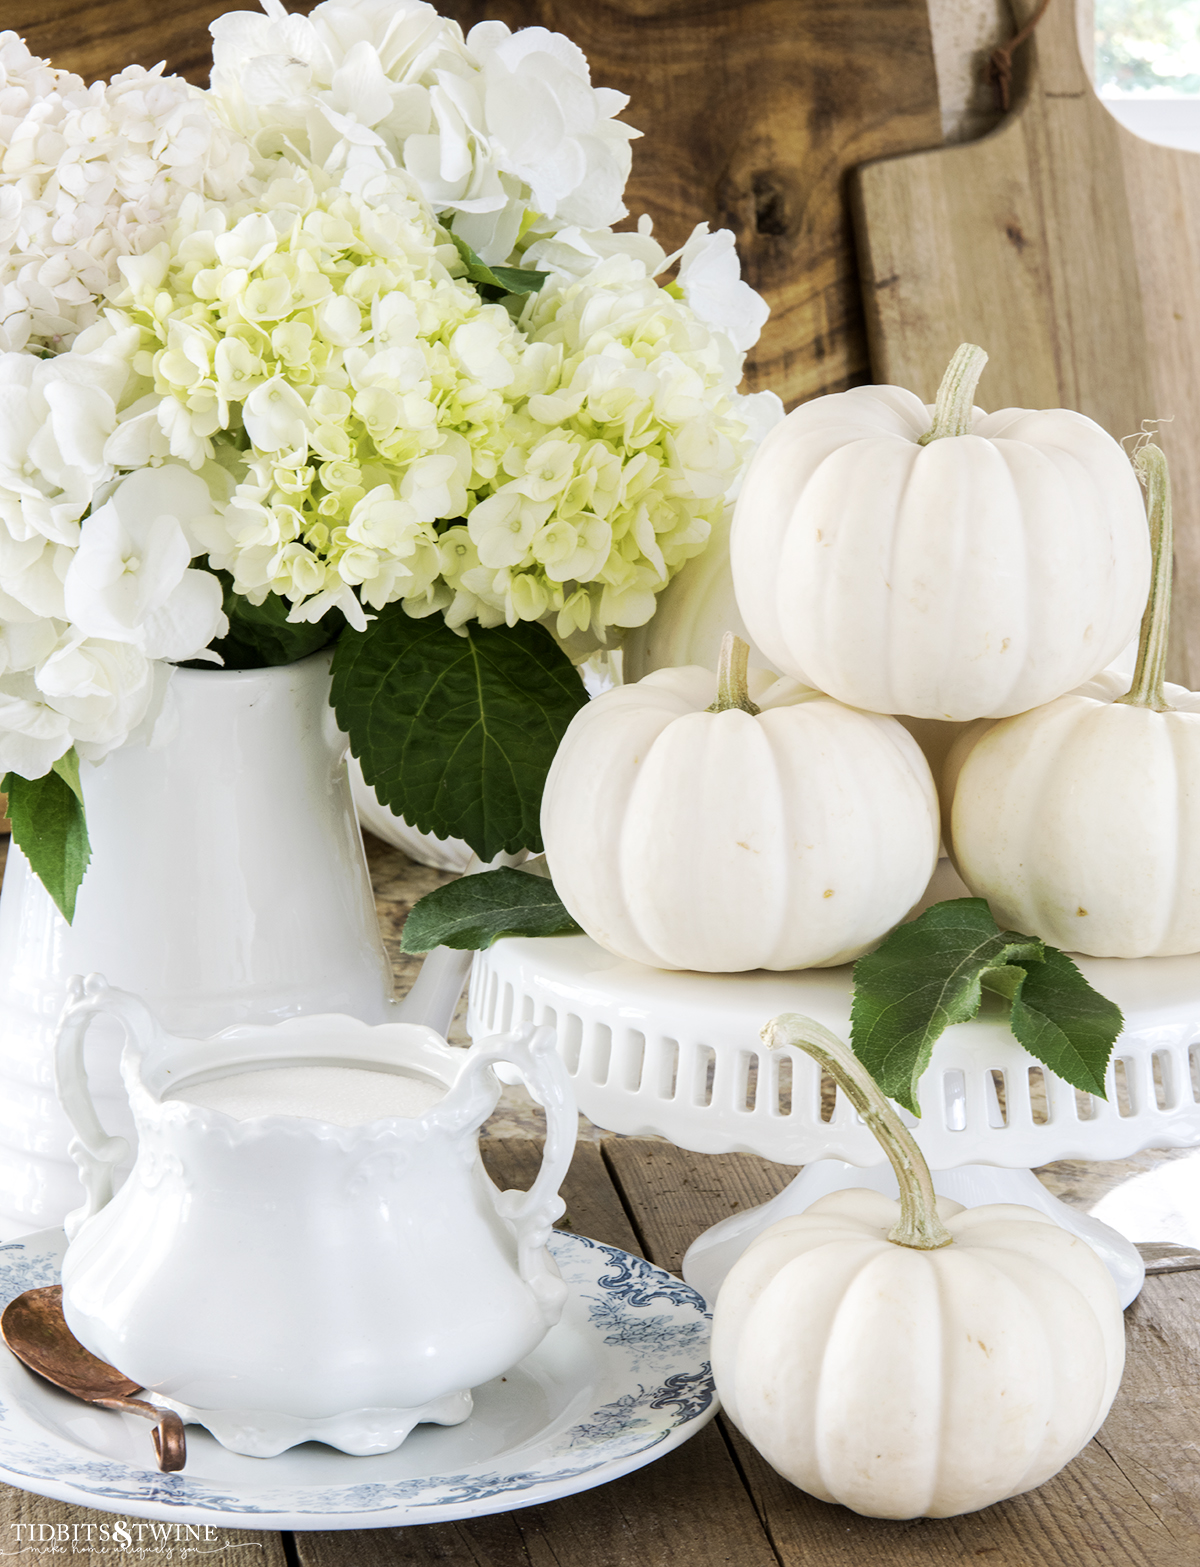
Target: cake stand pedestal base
711 1255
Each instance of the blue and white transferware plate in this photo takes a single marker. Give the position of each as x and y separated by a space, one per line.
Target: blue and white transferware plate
621 1380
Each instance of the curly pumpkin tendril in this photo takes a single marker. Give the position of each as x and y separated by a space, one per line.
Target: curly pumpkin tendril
919 1225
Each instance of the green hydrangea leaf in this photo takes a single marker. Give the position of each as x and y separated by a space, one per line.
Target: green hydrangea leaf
474 911
931 973
456 733
260 635
494 282
49 826
67 768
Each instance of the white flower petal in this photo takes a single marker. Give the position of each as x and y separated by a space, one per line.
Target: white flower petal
189 620
711 279
33 735
276 417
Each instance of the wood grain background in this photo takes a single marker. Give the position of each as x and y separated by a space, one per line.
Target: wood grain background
754 113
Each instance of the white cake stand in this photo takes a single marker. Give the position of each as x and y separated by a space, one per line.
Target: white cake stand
678 1055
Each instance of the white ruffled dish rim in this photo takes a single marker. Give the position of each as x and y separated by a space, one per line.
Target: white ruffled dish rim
623 1379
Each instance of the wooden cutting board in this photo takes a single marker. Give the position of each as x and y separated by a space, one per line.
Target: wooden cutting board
1067 247
754 112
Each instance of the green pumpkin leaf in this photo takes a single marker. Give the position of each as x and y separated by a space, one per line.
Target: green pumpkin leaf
1066 1024
923 977
49 826
457 733
474 911
932 972
494 282
260 635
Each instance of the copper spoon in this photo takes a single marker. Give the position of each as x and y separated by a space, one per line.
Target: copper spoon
34 1328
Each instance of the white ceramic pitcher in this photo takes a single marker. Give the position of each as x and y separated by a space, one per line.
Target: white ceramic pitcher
227 884
281 1279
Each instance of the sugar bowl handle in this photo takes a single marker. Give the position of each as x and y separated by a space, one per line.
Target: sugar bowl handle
532 1213
93 1150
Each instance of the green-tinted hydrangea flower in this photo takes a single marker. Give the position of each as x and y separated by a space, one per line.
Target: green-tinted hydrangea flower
397 437
617 463
327 337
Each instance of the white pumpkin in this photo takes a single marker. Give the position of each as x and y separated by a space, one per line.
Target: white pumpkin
937 741
691 616
1079 822
913 1359
975 568
781 832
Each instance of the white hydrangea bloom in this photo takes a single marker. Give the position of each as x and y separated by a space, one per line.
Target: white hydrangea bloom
33 733
619 459
130 579
103 689
497 129
89 174
709 278
403 439
95 566
85 692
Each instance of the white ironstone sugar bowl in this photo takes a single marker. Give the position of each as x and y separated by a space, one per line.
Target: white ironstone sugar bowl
279 1279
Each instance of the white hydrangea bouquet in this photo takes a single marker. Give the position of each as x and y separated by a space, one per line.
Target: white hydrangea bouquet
343 350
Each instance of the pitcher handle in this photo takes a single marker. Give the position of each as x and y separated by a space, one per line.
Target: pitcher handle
532 1213
93 1150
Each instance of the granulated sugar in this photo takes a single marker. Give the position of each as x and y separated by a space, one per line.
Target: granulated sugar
342 1095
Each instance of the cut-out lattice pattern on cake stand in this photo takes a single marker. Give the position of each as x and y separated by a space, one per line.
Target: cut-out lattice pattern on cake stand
678 1055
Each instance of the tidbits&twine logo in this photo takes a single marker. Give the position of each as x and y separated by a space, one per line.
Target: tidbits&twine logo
124 1539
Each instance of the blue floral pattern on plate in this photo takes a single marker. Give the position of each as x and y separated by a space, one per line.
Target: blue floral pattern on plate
623 1379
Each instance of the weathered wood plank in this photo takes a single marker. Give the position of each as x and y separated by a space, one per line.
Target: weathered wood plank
688 1509
1153 1431
97 38
674 1195
593 1206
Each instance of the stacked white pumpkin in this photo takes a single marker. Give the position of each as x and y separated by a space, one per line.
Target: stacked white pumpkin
1080 820
888 559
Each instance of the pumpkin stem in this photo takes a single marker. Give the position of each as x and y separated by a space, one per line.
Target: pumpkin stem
732 687
955 406
919 1225
1147 687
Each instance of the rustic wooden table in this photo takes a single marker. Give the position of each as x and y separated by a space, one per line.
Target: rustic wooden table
1131 1499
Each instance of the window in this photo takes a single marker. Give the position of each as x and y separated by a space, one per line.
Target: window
1148 67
